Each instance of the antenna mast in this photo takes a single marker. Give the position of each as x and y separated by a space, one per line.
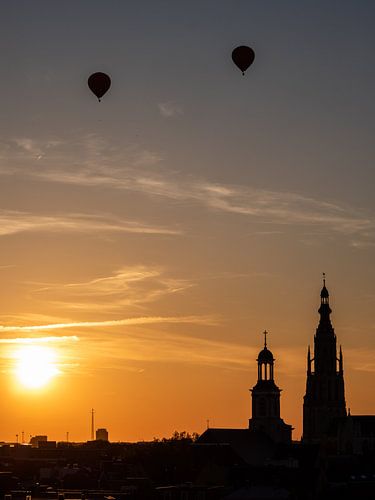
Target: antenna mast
92 424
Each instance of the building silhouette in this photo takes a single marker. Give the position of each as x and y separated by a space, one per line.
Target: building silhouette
101 435
36 440
266 400
266 431
324 400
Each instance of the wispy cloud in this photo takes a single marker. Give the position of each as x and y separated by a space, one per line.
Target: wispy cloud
147 320
36 148
140 346
182 348
127 286
91 149
360 359
155 345
170 109
185 349
39 340
145 158
12 222
280 208
101 165
118 350
100 347
268 206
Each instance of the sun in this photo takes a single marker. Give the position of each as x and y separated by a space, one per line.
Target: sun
35 366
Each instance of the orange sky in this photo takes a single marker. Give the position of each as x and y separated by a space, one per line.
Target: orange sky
146 374
150 239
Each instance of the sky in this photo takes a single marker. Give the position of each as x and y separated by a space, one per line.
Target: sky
147 241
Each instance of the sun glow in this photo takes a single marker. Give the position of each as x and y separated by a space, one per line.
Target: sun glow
35 366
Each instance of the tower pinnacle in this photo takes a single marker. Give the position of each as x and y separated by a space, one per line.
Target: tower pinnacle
324 309
265 333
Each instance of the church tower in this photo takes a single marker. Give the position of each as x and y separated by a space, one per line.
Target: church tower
266 400
325 397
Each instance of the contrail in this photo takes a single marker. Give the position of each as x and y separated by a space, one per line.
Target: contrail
200 320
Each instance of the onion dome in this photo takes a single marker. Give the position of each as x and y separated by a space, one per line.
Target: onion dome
265 356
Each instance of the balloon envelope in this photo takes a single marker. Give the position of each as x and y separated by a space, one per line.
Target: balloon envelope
243 57
99 83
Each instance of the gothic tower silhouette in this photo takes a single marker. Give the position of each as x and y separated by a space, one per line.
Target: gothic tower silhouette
266 400
325 396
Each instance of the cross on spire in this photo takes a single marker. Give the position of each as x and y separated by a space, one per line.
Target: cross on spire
324 279
265 333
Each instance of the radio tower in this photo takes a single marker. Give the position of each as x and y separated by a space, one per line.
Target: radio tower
92 424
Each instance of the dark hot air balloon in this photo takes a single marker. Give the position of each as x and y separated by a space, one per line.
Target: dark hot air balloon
243 57
99 83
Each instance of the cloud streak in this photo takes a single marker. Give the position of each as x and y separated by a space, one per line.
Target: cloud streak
145 346
101 165
360 359
128 286
280 208
170 109
40 340
180 348
146 320
12 222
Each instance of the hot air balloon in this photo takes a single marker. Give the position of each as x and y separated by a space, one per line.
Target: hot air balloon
99 83
243 57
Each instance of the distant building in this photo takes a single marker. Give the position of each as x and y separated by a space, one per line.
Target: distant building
266 401
35 440
101 435
258 444
253 447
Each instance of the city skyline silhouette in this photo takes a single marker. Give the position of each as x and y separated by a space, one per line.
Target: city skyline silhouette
324 404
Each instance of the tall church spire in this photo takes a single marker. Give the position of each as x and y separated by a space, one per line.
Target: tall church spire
324 398
325 357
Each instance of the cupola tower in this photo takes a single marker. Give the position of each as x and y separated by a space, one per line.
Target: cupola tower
266 400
